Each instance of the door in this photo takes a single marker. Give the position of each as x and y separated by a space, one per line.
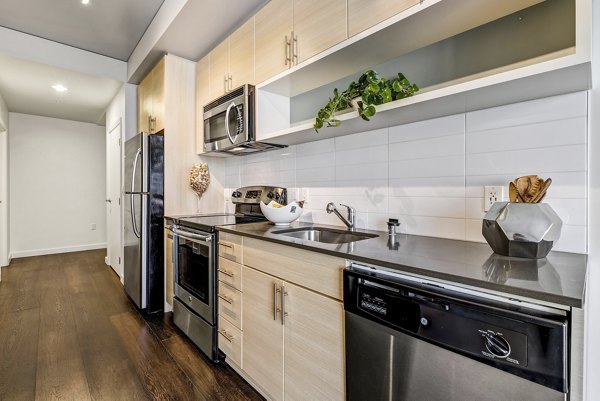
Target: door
318 26
314 345
3 198
364 14
219 69
113 199
158 96
241 55
132 268
272 24
144 95
263 331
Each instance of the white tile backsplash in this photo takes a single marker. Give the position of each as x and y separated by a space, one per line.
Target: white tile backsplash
430 174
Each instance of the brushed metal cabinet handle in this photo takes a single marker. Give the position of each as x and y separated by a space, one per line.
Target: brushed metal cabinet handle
226 299
230 83
283 294
228 337
295 49
275 308
225 245
288 45
225 272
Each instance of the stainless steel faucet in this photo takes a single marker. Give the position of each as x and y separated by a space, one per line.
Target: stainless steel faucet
350 222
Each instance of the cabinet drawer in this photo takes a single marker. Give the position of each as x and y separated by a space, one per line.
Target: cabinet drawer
230 304
230 273
320 273
230 341
230 247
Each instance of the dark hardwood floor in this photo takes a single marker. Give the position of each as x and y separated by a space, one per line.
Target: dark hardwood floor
69 332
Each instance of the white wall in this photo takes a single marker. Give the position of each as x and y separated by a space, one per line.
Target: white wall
4 199
57 185
431 174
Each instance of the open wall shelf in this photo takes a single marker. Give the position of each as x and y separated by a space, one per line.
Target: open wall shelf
470 54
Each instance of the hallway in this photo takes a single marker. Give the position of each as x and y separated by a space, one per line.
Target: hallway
69 332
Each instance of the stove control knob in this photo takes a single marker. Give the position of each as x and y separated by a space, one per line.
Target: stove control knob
236 194
270 195
277 196
497 345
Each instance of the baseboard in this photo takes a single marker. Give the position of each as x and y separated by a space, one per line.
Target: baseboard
51 251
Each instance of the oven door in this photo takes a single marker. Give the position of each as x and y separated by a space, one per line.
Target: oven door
194 271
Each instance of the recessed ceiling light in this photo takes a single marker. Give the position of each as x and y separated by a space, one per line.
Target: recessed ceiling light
60 88
85 1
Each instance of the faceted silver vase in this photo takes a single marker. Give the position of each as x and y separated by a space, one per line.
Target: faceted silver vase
524 230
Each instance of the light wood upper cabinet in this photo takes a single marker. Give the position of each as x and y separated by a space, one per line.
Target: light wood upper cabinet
364 14
272 24
262 346
232 62
318 25
289 32
314 346
151 100
219 69
241 55
202 97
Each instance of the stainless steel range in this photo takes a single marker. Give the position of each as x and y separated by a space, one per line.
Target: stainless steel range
195 263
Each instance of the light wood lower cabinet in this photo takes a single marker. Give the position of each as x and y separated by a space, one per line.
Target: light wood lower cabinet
297 356
169 278
262 344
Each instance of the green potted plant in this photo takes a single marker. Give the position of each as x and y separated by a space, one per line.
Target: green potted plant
372 89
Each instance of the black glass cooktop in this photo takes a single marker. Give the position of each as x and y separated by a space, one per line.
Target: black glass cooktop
208 222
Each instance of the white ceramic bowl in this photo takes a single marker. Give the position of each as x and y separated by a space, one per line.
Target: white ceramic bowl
281 216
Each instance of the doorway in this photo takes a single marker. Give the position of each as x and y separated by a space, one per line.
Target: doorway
114 230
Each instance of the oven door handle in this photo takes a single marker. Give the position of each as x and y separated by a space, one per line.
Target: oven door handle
191 236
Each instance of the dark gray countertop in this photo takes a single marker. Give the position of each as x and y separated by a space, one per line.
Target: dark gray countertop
559 278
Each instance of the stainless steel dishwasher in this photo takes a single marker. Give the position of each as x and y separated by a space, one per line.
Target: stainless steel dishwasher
411 339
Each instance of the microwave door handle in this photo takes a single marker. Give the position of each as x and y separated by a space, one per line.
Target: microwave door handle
232 105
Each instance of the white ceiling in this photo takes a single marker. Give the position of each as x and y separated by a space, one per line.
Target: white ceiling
27 88
112 28
108 27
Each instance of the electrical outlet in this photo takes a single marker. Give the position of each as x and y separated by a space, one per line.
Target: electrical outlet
303 195
492 195
93 226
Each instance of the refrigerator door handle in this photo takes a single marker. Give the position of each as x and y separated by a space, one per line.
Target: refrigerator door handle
133 222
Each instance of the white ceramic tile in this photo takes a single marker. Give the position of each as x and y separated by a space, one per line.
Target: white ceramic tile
564 185
571 211
474 208
451 166
313 148
362 140
370 200
546 134
530 161
377 221
319 160
546 109
432 226
572 239
428 186
473 230
428 206
428 148
437 127
361 187
360 171
304 177
371 154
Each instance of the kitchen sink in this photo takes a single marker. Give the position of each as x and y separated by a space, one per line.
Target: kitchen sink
327 235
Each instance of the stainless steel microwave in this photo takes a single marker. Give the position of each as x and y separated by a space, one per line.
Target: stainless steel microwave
229 123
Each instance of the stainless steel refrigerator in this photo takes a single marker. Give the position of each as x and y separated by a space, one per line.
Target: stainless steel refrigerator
144 228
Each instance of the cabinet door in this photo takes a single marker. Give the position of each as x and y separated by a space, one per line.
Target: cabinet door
219 69
169 278
241 55
262 346
364 14
272 24
144 92
313 346
158 96
318 25
202 97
